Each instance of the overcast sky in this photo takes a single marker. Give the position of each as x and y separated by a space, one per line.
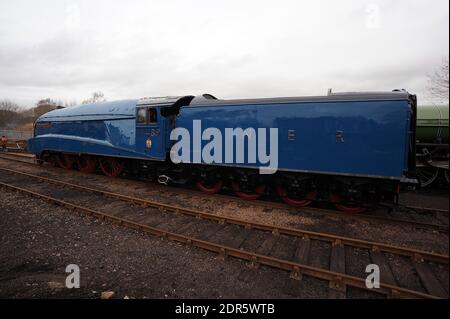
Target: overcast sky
68 49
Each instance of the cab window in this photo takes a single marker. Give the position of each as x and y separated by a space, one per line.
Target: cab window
146 115
141 117
152 116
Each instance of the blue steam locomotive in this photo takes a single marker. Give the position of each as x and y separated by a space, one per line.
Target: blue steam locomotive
352 149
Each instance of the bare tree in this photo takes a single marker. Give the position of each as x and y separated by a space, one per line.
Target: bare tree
95 98
438 83
69 103
9 114
44 106
7 105
47 101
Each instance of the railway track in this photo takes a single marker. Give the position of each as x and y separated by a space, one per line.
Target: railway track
19 157
439 224
408 217
301 252
425 210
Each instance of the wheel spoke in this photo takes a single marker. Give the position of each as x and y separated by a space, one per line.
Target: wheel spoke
427 175
110 167
86 164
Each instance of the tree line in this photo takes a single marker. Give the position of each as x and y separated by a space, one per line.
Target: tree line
15 117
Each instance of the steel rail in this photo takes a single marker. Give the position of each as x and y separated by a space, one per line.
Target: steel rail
314 210
15 158
425 209
297 269
22 155
374 246
388 220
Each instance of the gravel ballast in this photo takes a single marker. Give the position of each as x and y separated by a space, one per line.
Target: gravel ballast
40 239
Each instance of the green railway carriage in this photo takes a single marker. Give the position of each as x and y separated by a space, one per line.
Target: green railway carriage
432 143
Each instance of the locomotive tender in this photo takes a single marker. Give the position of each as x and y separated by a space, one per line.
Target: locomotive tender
352 149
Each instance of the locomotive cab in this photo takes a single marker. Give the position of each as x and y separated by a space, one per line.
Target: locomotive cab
149 125
155 118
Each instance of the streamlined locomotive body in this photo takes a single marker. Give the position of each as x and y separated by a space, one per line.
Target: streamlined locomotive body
348 148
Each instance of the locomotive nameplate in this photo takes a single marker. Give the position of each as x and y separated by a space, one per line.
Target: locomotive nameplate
43 125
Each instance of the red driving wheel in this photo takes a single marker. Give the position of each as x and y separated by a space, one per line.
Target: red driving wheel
210 188
86 164
65 161
110 167
310 197
336 200
259 190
